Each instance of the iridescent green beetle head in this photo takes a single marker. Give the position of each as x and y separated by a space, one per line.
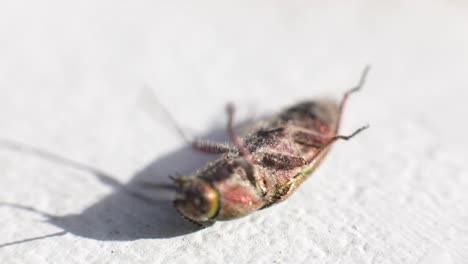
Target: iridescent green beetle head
196 199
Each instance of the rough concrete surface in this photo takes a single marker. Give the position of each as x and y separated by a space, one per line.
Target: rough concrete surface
77 140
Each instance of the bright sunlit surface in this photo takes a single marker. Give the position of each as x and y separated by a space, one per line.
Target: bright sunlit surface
80 137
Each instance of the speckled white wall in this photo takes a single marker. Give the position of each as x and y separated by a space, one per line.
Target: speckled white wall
76 139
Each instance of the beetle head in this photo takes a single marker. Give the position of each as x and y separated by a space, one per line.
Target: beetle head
196 199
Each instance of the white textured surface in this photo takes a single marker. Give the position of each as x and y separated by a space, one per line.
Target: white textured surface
71 75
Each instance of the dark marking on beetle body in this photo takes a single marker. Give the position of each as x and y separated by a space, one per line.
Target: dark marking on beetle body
304 108
312 115
309 139
265 137
282 161
218 170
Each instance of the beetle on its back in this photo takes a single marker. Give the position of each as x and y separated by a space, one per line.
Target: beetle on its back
264 167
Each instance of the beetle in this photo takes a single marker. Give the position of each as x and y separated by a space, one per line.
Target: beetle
266 166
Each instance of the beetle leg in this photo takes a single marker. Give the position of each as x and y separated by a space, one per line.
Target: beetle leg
234 137
210 147
312 139
283 189
257 179
153 106
356 88
334 139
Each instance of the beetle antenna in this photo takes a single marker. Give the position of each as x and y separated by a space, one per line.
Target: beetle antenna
160 186
152 106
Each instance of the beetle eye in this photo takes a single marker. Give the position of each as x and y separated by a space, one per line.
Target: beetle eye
198 201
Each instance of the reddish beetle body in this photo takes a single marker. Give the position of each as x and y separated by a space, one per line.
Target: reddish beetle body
264 167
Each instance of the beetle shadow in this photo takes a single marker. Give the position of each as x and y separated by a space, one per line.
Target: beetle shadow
133 210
